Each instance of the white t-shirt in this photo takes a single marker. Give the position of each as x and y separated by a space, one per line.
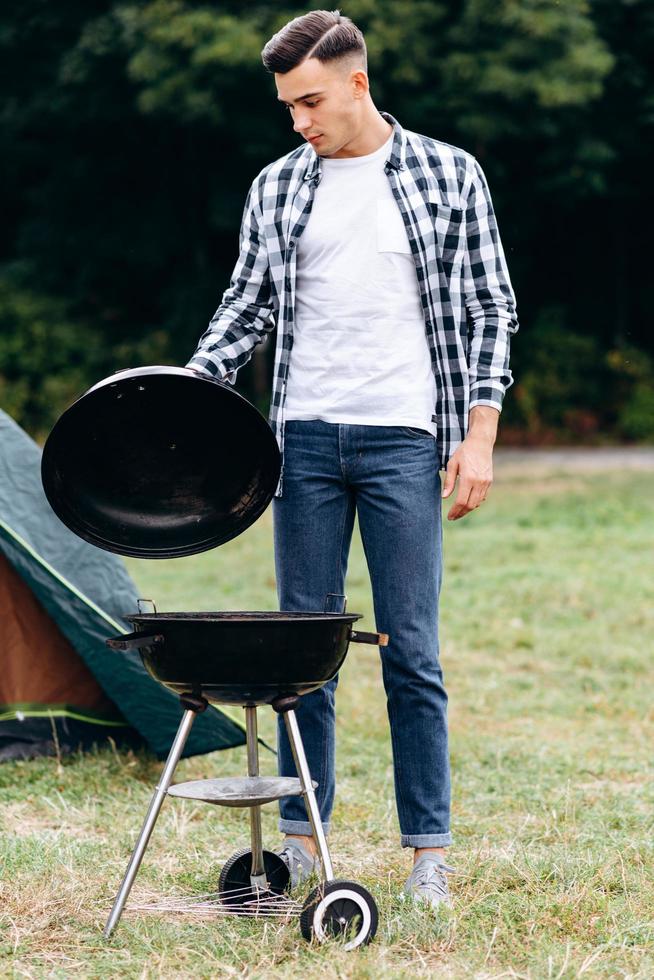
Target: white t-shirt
360 353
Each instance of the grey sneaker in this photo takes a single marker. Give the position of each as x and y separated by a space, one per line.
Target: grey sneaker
428 881
299 861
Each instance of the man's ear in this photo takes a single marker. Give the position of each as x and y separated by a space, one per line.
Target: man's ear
359 83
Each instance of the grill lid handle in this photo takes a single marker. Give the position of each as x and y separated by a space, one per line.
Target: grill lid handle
132 641
377 639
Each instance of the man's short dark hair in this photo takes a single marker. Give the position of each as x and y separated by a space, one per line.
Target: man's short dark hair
321 34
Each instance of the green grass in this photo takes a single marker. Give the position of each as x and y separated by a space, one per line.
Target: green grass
547 616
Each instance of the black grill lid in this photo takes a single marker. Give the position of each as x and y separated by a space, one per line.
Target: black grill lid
160 462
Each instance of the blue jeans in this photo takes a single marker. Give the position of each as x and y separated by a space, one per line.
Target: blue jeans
389 476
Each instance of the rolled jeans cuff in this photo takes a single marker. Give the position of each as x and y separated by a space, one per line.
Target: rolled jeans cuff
426 840
302 827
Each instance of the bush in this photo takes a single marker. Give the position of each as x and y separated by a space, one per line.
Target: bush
634 392
561 381
47 359
568 388
637 415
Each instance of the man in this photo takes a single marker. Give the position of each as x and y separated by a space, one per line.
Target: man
375 251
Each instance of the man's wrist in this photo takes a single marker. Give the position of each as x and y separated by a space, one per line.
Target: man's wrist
482 425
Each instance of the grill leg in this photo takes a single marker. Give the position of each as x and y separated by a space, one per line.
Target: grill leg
308 791
151 818
258 872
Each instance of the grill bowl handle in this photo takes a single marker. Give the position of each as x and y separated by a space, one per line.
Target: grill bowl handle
377 639
133 641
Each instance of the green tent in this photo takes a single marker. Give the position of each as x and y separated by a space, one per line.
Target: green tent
60 599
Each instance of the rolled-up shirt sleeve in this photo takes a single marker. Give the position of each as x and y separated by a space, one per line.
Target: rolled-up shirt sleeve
489 299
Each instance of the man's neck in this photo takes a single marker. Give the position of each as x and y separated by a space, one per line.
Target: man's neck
373 133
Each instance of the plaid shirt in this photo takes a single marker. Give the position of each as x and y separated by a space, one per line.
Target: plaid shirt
466 294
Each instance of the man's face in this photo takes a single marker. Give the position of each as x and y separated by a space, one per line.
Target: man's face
325 102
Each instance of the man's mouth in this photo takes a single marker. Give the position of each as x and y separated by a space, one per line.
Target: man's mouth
312 139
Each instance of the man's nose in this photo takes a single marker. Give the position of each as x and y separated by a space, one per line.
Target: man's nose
302 121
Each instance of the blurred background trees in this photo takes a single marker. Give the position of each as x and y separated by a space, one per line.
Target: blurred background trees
131 131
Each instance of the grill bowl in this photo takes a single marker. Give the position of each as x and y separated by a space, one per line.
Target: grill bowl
244 658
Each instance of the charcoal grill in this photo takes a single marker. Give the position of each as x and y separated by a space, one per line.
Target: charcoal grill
131 467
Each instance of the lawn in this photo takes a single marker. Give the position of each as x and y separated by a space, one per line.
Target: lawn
547 615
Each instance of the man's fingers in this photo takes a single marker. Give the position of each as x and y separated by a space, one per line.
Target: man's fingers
469 497
478 494
460 505
450 477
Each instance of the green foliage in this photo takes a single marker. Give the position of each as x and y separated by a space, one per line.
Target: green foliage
178 56
551 390
44 357
637 415
130 132
47 359
515 58
633 387
570 387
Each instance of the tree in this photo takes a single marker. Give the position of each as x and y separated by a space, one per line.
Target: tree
131 131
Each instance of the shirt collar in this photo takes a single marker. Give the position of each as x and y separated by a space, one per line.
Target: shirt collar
398 146
395 159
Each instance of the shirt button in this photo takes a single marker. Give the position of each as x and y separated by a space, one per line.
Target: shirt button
291 245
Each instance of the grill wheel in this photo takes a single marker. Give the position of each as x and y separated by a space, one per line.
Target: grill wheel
340 910
235 877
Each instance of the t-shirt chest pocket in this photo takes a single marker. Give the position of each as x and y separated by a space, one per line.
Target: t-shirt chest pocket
391 233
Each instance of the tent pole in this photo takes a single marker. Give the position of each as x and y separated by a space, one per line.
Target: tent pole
151 818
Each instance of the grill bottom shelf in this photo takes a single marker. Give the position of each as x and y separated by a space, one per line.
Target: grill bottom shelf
239 790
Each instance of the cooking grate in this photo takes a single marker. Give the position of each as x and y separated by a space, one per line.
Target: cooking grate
245 617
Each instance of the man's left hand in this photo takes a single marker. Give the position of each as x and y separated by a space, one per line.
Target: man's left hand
472 463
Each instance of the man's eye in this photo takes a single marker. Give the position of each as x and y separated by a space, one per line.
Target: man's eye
290 108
